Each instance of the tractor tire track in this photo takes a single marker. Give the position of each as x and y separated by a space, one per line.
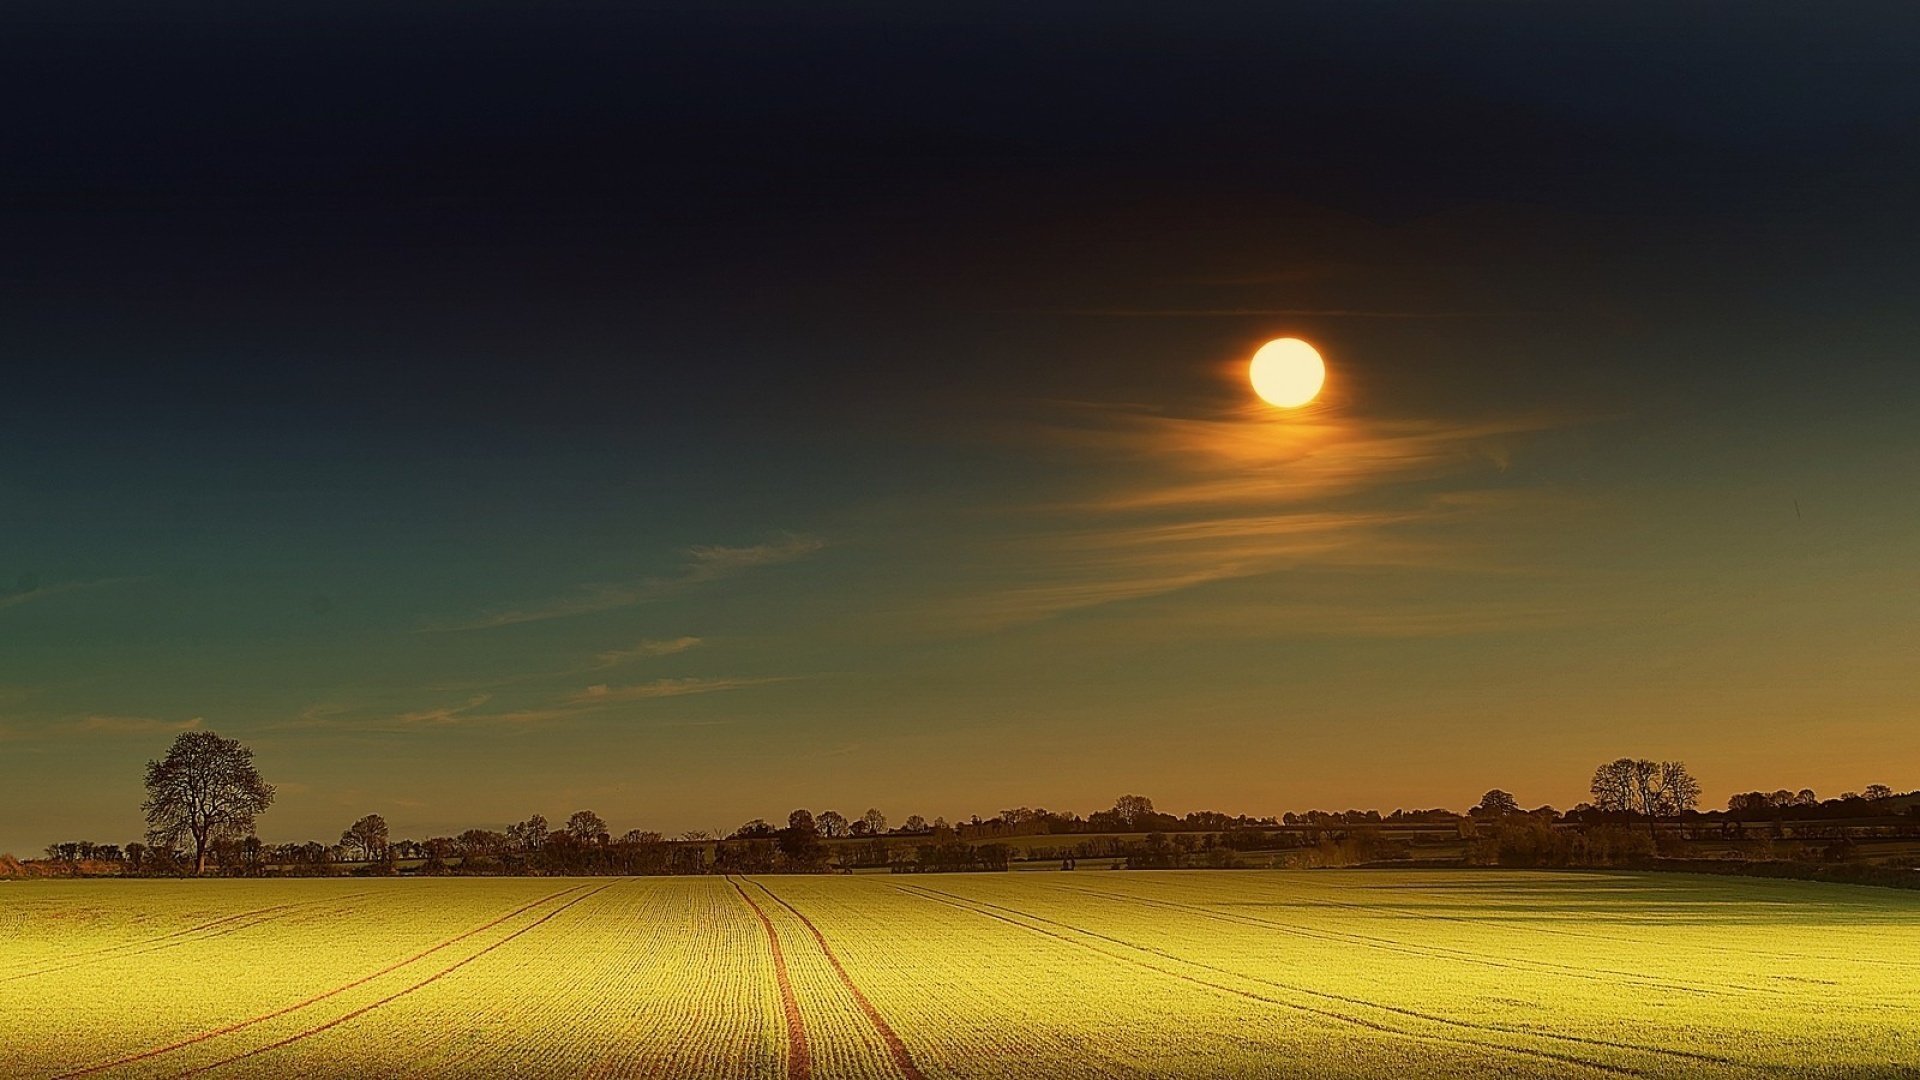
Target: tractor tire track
799 1053
1437 953
398 994
228 1029
965 904
901 1058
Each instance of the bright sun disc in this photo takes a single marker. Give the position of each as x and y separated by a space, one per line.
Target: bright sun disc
1287 372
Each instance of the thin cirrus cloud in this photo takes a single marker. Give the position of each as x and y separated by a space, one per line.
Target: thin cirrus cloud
646 650
443 715
471 712
603 694
1257 458
29 594
1251 493
704 564
136 725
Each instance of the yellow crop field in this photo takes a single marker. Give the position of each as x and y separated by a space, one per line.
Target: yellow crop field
1048 975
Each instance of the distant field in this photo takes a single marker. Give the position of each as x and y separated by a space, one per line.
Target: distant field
1087 974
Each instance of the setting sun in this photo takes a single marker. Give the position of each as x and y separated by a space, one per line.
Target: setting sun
1287 372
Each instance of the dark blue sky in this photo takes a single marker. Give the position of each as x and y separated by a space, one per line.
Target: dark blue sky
373 373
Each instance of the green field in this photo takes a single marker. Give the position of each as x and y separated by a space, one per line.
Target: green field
1173 974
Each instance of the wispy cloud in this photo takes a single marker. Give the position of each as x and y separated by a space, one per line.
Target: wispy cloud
711 563
1258 457
328 716
28 594
442 715
646 650
705 564
472 712
1250 493
602 694
136 725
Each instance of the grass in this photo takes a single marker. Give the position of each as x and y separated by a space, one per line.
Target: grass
1091 974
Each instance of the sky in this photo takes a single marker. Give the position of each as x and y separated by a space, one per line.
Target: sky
691 412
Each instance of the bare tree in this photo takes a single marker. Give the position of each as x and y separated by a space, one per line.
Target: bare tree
1616 785
915 824
367 836
1655 789
1877 792
529 835
876 822
586 827
206 788
1132 808
832 823
477 843
1676 791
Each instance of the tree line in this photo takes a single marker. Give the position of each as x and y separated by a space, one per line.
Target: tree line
205 796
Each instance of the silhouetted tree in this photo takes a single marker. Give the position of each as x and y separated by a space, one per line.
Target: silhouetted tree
1677 792
204 789
875 821
368 836
1616 785
1496 803
800 840
529 835
1131 809
915 824
1655 789
586 827
1876 792
757 829
481 843
832 824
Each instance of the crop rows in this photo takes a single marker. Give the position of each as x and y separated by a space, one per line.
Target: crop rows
1361 974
